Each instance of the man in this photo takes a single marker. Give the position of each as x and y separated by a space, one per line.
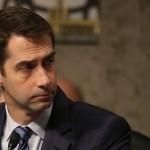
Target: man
36 113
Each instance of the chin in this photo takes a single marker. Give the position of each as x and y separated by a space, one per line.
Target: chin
44 105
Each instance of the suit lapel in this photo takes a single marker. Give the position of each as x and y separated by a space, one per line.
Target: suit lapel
55 141
58 129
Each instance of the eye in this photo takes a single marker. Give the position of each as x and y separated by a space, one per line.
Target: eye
26 67
49 61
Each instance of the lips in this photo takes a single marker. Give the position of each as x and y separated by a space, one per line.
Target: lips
44 94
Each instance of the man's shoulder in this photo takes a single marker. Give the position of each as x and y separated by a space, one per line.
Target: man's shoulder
98 123
90 109
94 114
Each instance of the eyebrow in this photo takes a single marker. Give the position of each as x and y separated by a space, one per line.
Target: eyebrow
24 62
51 55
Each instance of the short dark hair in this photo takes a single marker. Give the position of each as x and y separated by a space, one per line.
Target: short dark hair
21 21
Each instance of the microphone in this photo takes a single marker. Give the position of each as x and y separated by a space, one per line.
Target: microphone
14 140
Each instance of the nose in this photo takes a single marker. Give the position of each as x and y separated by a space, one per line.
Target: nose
43 79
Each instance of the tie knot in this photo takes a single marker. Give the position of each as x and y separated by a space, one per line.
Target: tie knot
24 132
20 135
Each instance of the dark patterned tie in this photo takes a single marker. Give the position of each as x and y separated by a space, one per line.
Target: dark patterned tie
25 134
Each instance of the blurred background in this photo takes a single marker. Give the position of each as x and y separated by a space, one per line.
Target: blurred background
103 47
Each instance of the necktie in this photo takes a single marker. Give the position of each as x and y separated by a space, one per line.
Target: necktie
24 134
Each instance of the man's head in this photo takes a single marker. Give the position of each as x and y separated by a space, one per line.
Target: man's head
23 22
27 60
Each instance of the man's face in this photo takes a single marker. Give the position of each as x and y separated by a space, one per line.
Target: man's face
29 81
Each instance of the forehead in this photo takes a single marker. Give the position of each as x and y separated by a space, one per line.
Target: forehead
20 47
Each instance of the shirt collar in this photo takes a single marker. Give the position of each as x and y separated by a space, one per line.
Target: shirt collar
38 126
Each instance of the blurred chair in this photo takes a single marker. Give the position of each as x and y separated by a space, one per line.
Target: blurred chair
86 8
70 89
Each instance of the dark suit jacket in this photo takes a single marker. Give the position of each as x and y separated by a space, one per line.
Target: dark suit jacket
80 126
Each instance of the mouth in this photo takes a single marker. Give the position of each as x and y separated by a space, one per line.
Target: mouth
43 96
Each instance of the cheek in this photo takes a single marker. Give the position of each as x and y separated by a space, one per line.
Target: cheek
15 85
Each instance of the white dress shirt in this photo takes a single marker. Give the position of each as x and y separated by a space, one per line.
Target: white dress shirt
38 127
